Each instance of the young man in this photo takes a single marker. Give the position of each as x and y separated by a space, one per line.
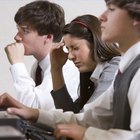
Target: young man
115 114
39 24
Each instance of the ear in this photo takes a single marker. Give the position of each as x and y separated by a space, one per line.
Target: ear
48 37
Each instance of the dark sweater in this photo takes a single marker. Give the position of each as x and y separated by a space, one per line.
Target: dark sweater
121 108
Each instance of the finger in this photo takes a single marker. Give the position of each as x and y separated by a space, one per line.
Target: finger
17 111
14 111
2 100
58 45
61 130
19 45
62 39
62 133
26 113
9 101
8 47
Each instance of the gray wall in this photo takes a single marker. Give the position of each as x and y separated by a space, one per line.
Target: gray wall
8 29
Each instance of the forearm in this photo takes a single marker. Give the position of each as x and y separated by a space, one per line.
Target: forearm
57 78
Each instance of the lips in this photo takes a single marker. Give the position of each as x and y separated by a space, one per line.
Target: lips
102 28
77 64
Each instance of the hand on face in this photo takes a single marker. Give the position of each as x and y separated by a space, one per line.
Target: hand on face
16 108
15 52
57 55
74 131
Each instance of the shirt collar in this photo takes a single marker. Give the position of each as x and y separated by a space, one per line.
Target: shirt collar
45 63
97 72
129 56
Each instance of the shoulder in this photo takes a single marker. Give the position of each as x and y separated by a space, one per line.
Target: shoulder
112 65
113 62
115 59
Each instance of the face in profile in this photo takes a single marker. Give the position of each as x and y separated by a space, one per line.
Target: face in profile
115 24
79 53
31 40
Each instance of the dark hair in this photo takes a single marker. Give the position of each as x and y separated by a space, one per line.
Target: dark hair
43 16
88 27
131 6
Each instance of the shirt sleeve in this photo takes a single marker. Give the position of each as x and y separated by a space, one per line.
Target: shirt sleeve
63 100
27 92
111 134
98 114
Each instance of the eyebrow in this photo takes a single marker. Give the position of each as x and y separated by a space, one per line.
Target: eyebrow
23 26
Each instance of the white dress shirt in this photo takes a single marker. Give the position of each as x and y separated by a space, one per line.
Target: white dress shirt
96 118
40 97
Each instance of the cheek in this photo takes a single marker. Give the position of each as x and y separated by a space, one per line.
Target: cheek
108 36
29 46
27 49
80 55
105 36
83 58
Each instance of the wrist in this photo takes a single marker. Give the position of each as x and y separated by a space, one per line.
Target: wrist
35 115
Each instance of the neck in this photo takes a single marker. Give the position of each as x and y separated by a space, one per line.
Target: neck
41 57
128 44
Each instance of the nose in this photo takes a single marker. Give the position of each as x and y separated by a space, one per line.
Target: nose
102 17
18 38
70 55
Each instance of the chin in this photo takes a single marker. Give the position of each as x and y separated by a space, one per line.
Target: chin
104 37
83 71
107 39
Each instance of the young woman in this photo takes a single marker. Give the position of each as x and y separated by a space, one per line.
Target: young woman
96 61
120 103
